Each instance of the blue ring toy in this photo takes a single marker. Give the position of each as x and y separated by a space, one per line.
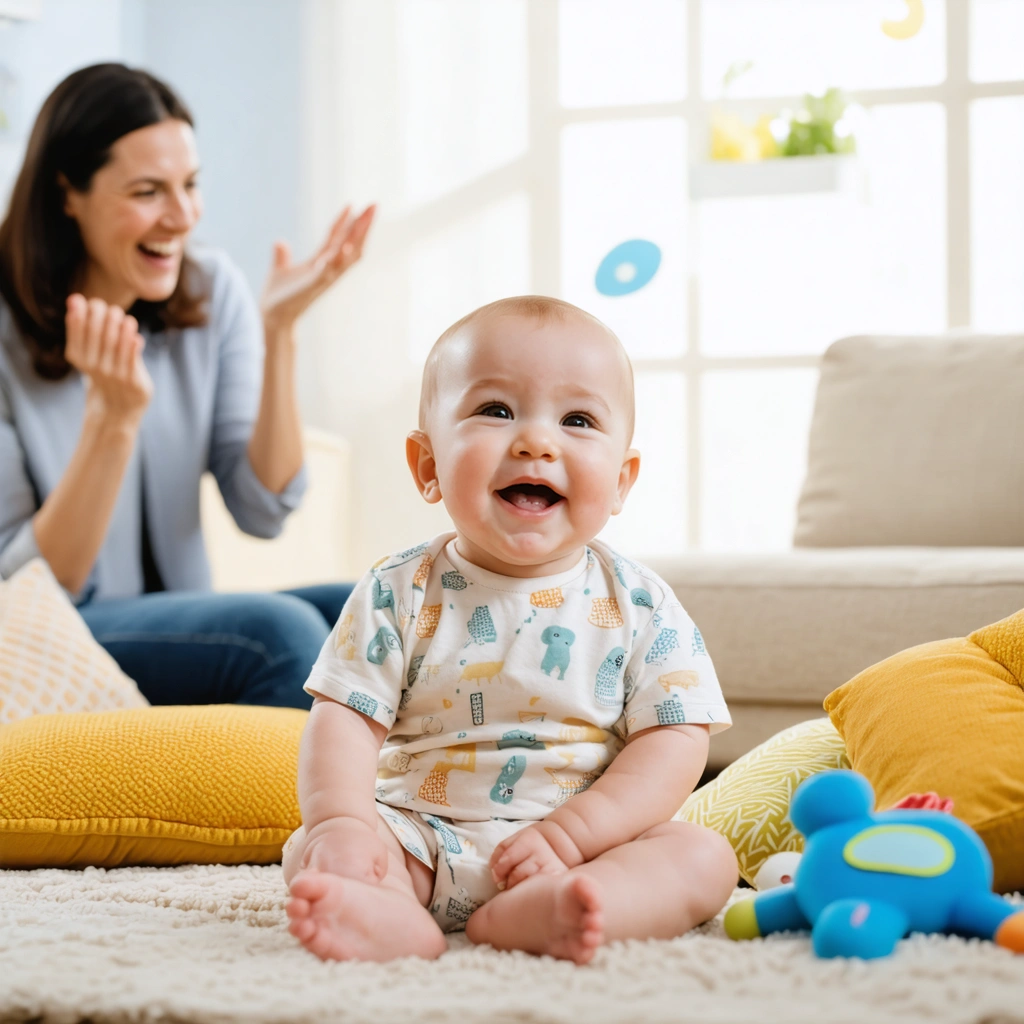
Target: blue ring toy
643 256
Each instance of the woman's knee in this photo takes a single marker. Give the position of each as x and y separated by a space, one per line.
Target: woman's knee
284 625
288 633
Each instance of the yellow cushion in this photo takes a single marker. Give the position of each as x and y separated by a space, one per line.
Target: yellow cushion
749 801
948 717
162 785
49 661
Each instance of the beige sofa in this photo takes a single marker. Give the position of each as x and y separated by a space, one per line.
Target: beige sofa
910 528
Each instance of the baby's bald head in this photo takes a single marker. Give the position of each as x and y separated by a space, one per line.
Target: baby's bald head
541 309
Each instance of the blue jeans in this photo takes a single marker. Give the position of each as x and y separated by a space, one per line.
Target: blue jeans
198 648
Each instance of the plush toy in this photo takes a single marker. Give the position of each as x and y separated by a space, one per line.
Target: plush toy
865 880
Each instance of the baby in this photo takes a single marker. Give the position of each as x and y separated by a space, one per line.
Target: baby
507 717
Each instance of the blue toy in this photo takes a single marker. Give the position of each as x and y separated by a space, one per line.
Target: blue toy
868 879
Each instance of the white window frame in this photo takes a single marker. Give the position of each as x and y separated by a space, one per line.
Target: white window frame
548 118
354 156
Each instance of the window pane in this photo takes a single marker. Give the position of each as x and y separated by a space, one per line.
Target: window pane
787 275
997 214
462 87
754 450
625 181
997 40
653 521
613 53
802 45
468 264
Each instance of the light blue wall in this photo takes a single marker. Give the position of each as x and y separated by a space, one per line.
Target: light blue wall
238 66
70 34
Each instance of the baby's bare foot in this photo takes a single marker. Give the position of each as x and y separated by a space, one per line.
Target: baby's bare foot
560 915
345 919
577 919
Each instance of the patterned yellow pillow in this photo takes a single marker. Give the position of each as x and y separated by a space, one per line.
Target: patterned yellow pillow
164 785
49 660
749 801
948 717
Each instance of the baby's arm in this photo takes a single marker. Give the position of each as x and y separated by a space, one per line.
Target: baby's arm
337 783
645 785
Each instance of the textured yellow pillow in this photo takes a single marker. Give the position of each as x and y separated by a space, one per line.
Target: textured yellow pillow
948 717
749 801
163 785
49 660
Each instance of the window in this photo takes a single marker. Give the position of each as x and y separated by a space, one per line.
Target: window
535 139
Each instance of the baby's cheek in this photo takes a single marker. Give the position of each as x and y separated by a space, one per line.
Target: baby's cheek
594 500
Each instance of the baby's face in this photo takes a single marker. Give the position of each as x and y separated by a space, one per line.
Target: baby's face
529 438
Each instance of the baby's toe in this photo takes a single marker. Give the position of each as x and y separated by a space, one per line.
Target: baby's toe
297 908
310 886
302 930
321 942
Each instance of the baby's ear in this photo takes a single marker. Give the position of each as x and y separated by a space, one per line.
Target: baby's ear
627 477
420 456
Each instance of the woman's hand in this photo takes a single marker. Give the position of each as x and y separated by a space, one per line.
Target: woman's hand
104 345
292 287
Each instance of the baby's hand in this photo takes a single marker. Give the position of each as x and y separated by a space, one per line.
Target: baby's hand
526 853
346 847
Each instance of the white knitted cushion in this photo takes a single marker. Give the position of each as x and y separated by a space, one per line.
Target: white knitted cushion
49 661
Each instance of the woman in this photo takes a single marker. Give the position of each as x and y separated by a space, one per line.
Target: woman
129 365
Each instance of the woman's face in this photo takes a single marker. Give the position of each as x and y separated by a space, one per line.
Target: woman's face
137 213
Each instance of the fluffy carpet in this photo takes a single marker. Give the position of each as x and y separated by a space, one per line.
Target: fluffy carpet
209 944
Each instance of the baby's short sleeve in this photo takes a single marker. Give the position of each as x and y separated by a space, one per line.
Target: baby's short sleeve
362 664
669 678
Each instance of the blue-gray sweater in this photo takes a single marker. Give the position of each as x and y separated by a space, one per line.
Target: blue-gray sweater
206 393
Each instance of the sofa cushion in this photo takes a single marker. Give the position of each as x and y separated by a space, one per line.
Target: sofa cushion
163 785
948 717
748 802
49 661
917 441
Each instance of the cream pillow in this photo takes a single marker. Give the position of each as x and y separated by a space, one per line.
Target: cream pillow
49 661
916 441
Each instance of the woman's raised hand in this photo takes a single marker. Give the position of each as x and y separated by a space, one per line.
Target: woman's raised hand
292 287
104 345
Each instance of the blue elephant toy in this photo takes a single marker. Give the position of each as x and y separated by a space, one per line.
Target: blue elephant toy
868 879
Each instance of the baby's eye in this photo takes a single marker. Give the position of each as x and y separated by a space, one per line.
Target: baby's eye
577 419
496 409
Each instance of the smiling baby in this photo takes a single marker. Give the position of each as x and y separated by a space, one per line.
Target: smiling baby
508 716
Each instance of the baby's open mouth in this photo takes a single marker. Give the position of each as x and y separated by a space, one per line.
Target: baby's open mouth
530 497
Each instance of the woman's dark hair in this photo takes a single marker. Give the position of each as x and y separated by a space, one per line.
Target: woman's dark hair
41 247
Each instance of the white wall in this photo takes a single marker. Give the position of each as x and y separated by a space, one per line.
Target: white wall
237 64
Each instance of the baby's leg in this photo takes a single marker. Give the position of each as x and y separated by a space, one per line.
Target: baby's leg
672 877
346 919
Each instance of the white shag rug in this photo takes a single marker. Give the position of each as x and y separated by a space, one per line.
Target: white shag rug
209 944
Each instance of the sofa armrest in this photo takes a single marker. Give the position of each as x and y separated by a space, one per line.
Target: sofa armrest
787 628
314 545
